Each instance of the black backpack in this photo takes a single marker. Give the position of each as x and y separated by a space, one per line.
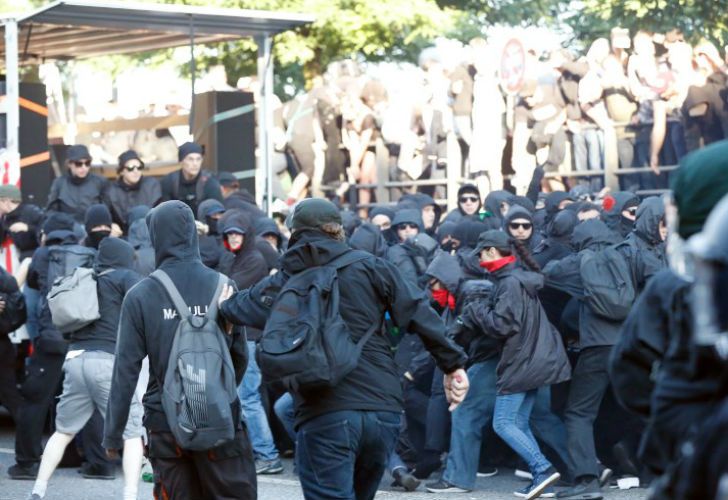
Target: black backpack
608 285
306 343
199 384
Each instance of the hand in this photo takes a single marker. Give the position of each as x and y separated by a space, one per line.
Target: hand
456 387
655 164
227 292
18 227
112 453
202 228
2 306
116 231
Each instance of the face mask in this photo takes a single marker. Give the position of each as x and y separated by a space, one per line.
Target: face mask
212 225
95 237
448 247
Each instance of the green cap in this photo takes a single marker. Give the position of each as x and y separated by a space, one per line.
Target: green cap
313 213
11 192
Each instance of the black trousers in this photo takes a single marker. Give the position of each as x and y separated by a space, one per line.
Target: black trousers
227 471
43 376
589 382
9 394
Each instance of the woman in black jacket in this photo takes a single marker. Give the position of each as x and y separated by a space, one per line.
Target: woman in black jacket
131 189
532 354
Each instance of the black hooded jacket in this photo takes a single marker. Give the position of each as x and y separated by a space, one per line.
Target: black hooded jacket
248 265
458 214
114 267
368 289
519 212
494 202
15 312
212 251
420 201
149 320
121 197
557 243
532 354
141 242
72 195
645 238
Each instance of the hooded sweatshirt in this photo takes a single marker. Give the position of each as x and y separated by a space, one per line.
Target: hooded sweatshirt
149 320
212 251
519 212
614 218
645 237
495 200
557 243
369 238
368 289
115 259
458 214
248 265
141 242
420 201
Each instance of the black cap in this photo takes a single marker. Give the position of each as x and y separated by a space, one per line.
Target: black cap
97 215
128 155
57 221
493 238
227 179
313 213
188 148
77 152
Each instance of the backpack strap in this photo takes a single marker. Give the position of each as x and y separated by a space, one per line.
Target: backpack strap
177 300
221 282
349 257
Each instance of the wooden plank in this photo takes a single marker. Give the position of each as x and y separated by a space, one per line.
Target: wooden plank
120 124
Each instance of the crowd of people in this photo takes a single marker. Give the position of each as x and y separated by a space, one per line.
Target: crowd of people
647 100
513 331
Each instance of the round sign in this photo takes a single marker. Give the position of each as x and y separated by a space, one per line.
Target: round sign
513 66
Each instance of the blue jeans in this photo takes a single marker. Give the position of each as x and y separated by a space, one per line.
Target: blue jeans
468 422
286 413
549 428
261 437
343 454
588 147
510 422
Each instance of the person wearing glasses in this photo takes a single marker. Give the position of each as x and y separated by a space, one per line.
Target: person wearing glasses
469 203
131 189
78 189
518 224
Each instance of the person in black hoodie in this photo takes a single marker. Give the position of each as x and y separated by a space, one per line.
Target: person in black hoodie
78 189
139 239
518 224
190 184
557 243
620 212
238 236
12 315
212 251
369 237
415 249
147 327
357 421
97 224
430 211
131 189
87 371
19 223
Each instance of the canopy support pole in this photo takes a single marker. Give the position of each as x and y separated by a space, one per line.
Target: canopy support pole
265 119
12 90
193 70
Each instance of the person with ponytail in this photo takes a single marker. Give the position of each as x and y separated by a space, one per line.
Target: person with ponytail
531 354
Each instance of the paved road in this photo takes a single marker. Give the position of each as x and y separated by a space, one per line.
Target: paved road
67 484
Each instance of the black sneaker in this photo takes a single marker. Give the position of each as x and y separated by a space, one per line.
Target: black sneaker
97 471
542 484
443 486
487 472
584 489
18 471
404 479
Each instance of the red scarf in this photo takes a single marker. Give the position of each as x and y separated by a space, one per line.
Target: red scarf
493 265
443 298
227 246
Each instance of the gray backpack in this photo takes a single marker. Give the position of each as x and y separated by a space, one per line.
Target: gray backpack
73 300
608 287
199 385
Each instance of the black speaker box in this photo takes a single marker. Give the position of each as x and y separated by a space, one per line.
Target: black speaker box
35 178
229 142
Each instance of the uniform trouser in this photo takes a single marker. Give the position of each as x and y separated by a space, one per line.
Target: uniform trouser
227 471
43 375
9 395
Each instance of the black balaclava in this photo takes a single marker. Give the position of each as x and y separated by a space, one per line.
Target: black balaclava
96 215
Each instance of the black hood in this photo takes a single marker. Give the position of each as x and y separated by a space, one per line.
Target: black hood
614 218
649 214
238 219
469 189
238 203
524 202
61 237
173 233
269 253
137 213
350 221
369 238
266 225
409 215
310 247
494 200
552 202
114 253
421 200
139 235
562 226
445 268
592 234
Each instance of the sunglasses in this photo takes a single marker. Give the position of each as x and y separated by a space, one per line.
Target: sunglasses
632 211
82 163
134 167
471 199
524 225
407 225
